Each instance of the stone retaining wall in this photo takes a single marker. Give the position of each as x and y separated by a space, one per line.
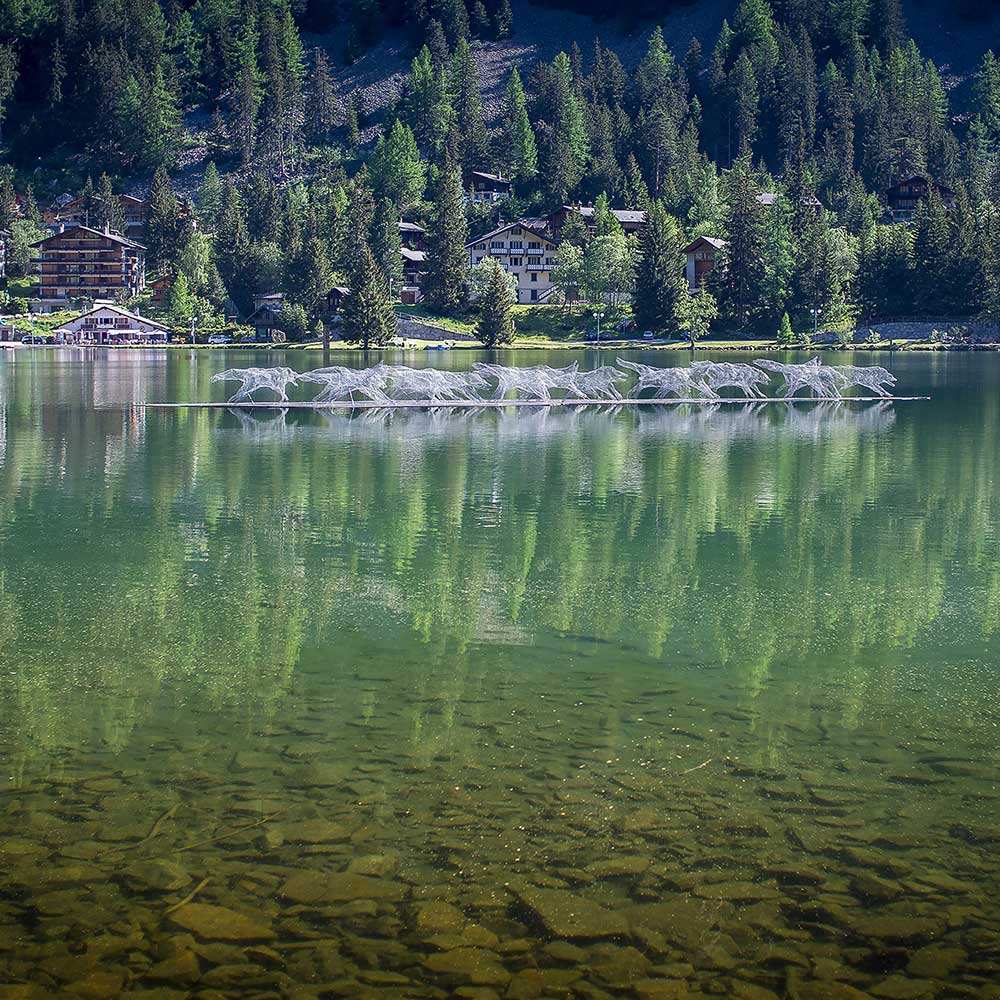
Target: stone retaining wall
418 330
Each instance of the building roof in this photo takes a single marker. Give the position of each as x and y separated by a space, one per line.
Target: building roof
410 227
534 226
96 232
768 198
414 256
493 178
713 241
921 179
118 310
623 215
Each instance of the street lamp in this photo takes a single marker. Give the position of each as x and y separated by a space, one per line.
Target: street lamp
598 316
815 316
194 319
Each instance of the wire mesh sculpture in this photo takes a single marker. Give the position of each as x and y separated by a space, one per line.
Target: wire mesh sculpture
252 380
874 378
434 384
601 383
342 383
536 382
384 384
684 381
721 375
821 379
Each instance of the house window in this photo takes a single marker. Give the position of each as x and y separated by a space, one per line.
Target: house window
534 276
534 294
515 262
515 232
534 246
496 245
516 245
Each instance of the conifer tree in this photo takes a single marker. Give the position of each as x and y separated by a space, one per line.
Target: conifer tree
387 246
368 316
352 129
165 231
209 198
469 121
660 286
108 207
397 172
518 149
322 104
785 337
931 256
446 282
495 327
179 299
738 277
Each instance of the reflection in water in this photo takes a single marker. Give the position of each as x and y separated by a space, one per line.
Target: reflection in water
706 647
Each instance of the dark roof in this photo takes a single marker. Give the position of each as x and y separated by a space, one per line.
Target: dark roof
96 232
921 179
713 241
534 226
410 227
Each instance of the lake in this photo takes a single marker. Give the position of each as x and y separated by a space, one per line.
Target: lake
684 702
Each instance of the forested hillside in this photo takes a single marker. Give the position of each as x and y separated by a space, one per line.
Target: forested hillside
296 182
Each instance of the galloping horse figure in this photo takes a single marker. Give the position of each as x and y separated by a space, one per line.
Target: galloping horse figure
251 380
599 383
433 384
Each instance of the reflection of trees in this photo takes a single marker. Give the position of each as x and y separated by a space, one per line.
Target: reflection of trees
195 554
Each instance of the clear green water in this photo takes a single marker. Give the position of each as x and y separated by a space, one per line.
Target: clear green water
723 684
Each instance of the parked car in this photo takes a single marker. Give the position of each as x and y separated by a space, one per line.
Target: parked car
32 338
648 335
220 338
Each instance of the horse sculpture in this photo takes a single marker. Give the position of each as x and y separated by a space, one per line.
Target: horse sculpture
342 383
684 381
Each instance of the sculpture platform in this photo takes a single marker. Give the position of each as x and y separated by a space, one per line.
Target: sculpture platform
479 404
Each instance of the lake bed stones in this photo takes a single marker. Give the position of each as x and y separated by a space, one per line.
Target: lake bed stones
218 923
566 914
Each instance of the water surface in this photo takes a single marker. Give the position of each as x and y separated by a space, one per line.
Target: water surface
690 702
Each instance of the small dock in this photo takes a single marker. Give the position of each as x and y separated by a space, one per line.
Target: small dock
480 404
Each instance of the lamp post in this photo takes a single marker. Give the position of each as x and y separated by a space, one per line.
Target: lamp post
815 316
598 316
194 319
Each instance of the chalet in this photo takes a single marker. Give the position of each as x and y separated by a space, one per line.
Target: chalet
414 266
84 263
486 189
266 316
632 220
902 198
161 286
108 324
411 235
701 254
335 299
76 213
525 251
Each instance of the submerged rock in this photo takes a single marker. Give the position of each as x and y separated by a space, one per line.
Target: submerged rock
472 965
310 887
220 923
565 914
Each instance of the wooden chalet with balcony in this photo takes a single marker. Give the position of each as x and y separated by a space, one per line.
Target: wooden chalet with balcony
631 220
486 189
701 256
84 263
525 250
902 199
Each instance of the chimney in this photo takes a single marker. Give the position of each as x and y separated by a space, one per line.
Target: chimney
107 228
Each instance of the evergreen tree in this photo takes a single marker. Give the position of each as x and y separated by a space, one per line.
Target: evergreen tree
932 253
518 151
738 278
445 284
309 277
469 119
386 245
368 316
322 104
785 337
352 129
496 308
209 198
397 172
179 303
660 285
165 230
108 207
8 202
